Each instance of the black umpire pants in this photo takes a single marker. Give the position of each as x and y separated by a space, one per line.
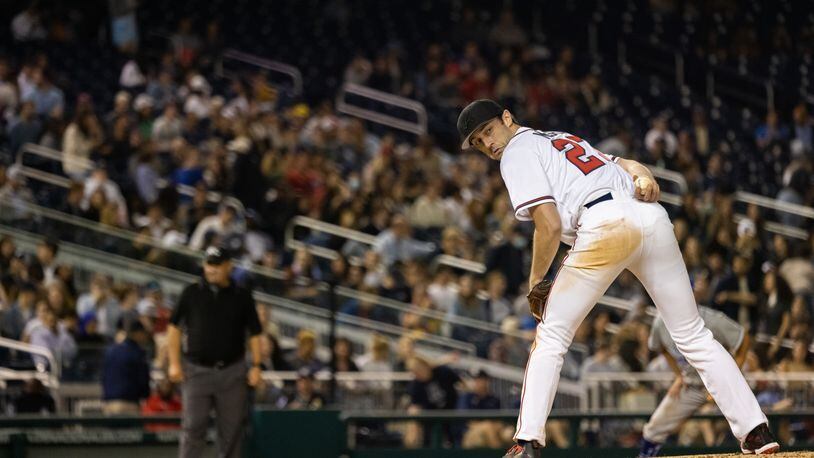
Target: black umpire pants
223 389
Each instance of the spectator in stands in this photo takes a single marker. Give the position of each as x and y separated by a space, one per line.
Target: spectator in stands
506 32
15 192
26 128
343 356
102 303
35 399
185 43
46 97
154 309
88 331
771 131
126 374
428 212
41 308
100 180
736 294
82 137
21 311
660 133
218 226
798 270
468 305
775 309
27 24
433 387
794 192
377 358
798 360
506 254
509 348
44 265
121 109
397 244
481 433
306 396
162 90
167 128
803 128
146 177
271 355
304 356
405 350
497 305
605 359
53 335
163 400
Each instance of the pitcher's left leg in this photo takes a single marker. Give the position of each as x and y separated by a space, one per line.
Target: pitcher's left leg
663 273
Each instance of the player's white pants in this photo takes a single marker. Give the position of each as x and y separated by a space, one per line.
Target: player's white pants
612 236
672 412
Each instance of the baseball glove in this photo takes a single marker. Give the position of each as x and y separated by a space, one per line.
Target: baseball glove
537 299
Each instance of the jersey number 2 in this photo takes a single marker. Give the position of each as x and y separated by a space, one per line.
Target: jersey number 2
576 154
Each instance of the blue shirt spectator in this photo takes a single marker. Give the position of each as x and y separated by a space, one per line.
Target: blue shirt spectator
126 375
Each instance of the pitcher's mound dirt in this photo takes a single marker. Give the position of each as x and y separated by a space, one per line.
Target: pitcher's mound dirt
740 455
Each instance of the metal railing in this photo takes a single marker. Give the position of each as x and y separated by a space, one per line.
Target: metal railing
419 127
54 367
360 237
267 64
294 313
43 152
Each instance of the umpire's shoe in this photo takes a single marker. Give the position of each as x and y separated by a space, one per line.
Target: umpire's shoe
525 450
760 441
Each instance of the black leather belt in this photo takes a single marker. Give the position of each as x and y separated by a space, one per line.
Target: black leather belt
213 364
601 198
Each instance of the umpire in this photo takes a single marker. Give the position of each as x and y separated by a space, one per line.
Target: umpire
214 316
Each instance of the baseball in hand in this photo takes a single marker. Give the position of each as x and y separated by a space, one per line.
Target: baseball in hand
647 189
642 183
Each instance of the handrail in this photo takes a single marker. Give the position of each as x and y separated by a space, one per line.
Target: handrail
669 175
418 128
329 228
361 237
268 64
125 234
302 313
87 164
459 263
778 205
54 367
434 314
55 155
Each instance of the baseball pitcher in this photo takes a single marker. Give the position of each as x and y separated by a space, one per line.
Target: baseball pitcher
606 209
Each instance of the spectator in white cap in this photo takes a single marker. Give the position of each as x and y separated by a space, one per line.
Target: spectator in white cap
197 102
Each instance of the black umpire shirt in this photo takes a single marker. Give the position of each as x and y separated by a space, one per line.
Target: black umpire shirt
216 321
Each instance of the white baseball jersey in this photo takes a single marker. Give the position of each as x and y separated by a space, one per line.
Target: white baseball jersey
540 167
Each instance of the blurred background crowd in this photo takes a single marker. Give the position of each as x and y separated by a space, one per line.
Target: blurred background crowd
148 112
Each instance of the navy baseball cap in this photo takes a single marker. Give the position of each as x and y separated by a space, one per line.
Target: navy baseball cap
474 116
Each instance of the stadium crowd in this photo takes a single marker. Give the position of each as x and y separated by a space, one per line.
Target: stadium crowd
174 122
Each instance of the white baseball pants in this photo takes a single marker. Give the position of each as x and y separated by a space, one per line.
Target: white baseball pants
619 234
